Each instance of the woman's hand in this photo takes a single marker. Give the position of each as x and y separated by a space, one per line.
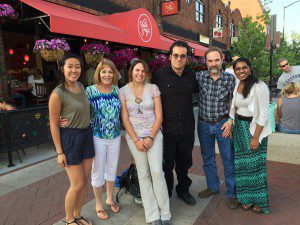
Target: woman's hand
62 160
254 143
63 122
226 129
140 146
147 143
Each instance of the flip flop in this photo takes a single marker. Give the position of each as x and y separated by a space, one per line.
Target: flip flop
247 207
102 214
84 219
72 222
113 207
256 209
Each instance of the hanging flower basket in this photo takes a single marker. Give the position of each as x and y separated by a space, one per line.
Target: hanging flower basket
93 59
122 56
52 55
158 61
7 12
93 53
52 50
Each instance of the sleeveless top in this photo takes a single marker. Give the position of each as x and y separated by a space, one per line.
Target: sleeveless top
290 113
106 109
75 107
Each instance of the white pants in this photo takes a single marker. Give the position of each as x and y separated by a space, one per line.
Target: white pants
106 159
152 180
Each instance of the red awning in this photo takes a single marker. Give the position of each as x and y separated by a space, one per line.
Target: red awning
136 27
199 50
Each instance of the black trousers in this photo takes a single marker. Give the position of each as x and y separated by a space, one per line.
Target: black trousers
178 153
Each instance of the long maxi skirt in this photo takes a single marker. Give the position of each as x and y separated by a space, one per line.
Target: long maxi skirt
250 167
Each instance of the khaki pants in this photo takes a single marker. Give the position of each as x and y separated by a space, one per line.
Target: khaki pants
152 180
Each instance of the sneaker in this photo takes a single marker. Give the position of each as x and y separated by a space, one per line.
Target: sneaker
207 193
187 198
166 222
156 222
232 203
138 201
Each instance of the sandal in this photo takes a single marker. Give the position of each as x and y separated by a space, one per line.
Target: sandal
86 222
74 221
246 207
114 207
102 214
256 209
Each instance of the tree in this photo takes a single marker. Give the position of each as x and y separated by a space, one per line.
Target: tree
251 44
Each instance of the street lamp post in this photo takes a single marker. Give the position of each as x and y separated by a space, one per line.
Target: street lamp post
284 16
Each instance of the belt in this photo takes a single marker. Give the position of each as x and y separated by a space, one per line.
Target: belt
215 120
245 118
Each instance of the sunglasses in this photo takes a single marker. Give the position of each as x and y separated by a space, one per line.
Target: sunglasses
176 56
241 68
284 65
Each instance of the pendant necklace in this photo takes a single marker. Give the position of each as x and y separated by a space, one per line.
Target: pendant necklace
137 99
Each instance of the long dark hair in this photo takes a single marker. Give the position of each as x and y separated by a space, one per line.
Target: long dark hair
251 79
62 62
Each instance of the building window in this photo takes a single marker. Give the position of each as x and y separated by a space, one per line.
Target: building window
188 1
232 30
199 11
218 19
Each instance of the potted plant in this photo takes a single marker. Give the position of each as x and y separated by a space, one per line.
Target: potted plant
122 57
158 61
6 11
52 50
94 52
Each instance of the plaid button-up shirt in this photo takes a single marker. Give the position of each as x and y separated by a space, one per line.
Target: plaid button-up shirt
214 95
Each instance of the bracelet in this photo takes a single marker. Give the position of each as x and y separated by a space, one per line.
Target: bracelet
136 141
60 154
152 139
231 121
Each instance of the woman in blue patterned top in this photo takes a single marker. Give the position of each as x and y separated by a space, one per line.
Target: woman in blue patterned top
105 104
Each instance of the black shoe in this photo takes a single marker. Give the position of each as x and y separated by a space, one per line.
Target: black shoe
187 198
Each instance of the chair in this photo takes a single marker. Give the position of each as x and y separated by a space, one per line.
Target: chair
41 93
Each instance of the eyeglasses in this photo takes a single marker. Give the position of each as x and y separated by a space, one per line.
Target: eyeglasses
176 56
241 68
281 66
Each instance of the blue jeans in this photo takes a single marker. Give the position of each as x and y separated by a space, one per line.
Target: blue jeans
286 130
208 133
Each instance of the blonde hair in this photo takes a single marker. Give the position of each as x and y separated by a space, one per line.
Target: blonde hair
290 88
110 64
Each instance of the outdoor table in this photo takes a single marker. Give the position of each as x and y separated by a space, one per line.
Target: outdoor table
23 128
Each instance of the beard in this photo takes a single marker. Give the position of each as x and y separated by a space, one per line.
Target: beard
215 70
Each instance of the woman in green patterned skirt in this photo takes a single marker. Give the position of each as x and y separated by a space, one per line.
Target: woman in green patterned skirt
250 111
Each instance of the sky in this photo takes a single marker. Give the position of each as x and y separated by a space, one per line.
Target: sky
292 17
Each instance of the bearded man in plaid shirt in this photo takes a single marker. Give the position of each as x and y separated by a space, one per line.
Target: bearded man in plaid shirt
216 88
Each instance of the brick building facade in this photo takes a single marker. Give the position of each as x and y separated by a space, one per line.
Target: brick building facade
182 25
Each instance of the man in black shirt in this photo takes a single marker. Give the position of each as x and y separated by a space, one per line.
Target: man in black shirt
177 85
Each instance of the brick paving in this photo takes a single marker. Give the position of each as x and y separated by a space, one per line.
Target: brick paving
42 202
284 197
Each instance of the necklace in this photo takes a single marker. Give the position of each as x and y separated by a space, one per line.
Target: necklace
137 99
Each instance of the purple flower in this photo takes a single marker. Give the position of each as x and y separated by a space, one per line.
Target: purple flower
7 11
54 44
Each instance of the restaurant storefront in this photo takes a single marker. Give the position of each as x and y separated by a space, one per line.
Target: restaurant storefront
135 30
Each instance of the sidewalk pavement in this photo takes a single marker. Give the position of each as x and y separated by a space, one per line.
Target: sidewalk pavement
35 195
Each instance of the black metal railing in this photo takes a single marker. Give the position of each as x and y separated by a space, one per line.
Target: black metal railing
23 128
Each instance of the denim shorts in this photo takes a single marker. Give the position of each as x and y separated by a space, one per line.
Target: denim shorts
77 144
